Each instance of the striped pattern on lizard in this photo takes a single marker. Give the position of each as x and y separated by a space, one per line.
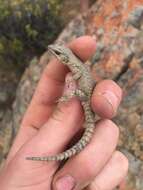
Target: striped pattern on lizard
85 84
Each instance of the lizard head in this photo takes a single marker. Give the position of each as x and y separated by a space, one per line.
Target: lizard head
60 52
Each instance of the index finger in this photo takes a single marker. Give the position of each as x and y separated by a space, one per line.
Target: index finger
48 90
52 81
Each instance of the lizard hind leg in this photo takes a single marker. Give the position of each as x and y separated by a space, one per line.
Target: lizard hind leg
76 93
77 76
81 95
66 97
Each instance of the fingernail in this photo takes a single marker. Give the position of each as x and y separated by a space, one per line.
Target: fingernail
65 183
112 99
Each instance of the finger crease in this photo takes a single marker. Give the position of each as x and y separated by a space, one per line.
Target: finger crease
34 127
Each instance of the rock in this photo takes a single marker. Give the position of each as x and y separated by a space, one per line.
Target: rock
6 97
1 153
8 84
136 17
135 172
1 114
6 134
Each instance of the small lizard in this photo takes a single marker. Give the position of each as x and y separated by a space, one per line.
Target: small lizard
85 83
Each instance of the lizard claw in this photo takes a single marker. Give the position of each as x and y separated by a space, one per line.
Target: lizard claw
63 99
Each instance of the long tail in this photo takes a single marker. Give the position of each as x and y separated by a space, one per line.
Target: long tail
85 139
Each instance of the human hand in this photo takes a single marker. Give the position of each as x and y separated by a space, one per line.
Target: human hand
47 129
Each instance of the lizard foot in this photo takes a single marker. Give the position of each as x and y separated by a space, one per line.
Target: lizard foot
81 95
77 76
77 93
64 98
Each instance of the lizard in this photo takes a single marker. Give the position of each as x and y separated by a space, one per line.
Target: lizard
85 83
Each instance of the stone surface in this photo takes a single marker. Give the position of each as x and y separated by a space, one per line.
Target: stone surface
118 29
8 84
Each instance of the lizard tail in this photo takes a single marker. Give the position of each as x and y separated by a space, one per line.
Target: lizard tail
71 151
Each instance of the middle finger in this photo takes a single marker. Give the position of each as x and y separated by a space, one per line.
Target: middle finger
92 159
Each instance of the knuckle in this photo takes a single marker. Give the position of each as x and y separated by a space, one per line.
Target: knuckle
94 186
111 128
122 160
70 110
111 82
112 85
117 89
59 114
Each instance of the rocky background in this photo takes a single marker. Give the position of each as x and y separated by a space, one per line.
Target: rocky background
118 28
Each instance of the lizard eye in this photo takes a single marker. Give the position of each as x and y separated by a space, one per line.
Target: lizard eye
57 52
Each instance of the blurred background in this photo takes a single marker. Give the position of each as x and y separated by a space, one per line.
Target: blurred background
26 29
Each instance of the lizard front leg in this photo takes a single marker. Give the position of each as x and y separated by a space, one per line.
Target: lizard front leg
76 93
71 89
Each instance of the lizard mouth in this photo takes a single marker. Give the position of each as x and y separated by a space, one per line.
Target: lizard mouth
53 51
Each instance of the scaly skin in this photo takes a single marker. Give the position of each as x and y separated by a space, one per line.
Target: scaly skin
85 84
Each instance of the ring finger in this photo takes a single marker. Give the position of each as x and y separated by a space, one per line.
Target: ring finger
112 174
92 159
